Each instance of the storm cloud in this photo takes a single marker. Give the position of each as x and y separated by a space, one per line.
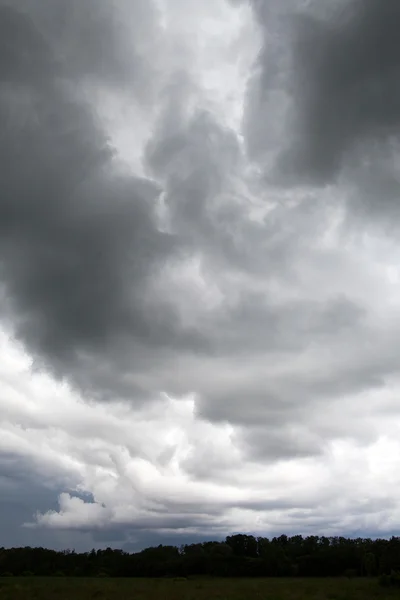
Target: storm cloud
199 306
79 234
335 68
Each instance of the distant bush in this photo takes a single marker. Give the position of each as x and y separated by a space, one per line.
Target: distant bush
350 573
395 578
384 580
6 574
392 580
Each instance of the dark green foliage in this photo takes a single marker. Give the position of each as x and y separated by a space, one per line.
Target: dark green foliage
384 580
395 578
392 580
237 556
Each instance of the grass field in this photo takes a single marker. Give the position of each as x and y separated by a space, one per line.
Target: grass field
196 589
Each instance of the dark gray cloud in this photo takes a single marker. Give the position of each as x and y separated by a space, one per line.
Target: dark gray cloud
337 67
20 490
81 246
266 443
78 235
149 539
97 42
347 80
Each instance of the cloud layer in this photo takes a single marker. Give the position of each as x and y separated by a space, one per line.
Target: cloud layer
198 263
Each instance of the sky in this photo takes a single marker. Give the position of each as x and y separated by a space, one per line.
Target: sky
199 270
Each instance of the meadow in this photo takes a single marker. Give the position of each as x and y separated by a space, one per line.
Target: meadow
48 588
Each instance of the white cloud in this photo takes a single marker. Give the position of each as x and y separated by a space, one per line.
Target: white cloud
162 468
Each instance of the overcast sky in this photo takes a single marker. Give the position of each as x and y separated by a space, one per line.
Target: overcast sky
199 270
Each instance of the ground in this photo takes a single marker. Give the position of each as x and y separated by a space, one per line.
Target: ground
26 588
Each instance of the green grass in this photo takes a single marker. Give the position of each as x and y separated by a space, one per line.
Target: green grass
26 588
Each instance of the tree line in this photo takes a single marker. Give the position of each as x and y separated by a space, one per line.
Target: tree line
237 556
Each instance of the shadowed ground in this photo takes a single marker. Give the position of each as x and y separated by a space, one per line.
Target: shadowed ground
196 589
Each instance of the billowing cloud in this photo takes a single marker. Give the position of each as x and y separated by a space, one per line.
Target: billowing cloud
331 72
348 91
79 236
199 325
146 471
